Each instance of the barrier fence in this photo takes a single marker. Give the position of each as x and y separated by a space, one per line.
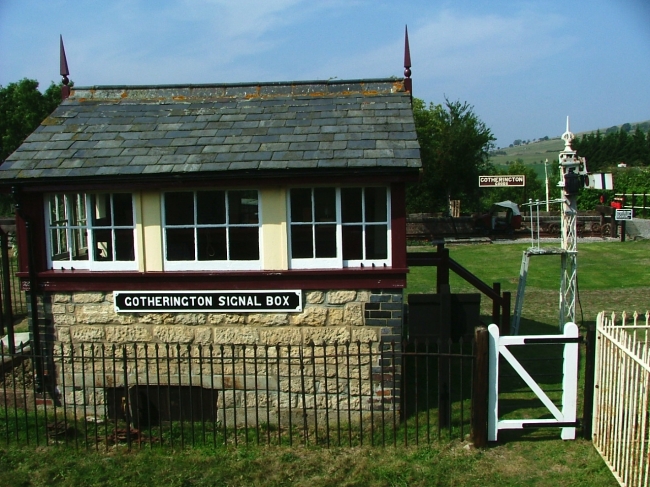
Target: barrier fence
621 430
150 396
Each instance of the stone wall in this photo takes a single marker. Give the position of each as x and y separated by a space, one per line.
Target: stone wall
321 360
327 316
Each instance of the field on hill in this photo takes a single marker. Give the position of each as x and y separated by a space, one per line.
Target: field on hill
535 152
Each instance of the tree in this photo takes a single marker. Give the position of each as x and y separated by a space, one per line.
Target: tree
606 151
454 147
22 109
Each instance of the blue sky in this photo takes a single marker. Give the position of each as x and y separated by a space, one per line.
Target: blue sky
524 66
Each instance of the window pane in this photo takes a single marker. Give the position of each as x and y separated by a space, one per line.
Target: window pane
210 208
376 242
78 204
325 241
180 243
57 210
124 248
351 205
212 244
302 243
244 243
103 240
242 207
59 242
376 210
179 208
79 244
301 205
101 205
352 242
325 204
123 209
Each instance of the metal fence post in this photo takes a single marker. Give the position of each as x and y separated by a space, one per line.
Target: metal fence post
590 370
506 299
496 305
480 388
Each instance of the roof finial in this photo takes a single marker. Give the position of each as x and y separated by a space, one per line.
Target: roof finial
567 136
408 82
65 89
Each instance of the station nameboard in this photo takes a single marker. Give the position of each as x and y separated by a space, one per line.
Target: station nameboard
272 301
623 214
507 180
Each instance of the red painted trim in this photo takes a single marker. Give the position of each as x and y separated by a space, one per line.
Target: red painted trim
398 224
31 209
83 280
249 180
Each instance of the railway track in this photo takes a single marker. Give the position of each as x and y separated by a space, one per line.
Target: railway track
425 228
594 230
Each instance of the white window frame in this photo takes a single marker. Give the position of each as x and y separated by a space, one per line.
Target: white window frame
87 228
338 262
203 265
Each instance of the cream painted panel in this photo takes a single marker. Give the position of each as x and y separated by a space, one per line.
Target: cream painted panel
152 231
139 231
273 209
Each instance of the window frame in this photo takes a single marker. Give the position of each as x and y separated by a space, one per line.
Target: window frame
210 265
88 235
338 262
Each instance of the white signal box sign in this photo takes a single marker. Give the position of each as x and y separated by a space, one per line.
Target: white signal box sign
502 181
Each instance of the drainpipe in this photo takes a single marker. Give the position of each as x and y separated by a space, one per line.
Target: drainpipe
33 302
33 299
6 291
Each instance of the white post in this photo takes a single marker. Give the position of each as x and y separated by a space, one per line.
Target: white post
493 387
547 193
570 381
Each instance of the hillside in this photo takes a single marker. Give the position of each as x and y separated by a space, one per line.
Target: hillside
534 153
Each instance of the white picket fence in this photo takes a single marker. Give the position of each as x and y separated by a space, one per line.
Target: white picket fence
621 426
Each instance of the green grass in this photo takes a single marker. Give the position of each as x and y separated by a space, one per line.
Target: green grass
514 464
601 266
612 276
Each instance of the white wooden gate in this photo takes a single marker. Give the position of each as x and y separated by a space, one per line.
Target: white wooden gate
564 418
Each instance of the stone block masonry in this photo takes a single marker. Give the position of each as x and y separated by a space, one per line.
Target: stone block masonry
326 358
327 316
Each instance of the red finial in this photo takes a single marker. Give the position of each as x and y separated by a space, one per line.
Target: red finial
65 89
408 83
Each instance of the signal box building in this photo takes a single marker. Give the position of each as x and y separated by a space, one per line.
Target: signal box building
153 212
241 214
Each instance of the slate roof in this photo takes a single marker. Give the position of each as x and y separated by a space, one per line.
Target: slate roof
170 130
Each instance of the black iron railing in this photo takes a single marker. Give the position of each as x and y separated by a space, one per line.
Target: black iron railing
148 395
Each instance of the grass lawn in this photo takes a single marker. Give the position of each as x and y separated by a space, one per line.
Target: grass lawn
540 462
612 276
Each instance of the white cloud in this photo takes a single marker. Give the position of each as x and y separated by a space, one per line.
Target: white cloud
129 42
465 48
